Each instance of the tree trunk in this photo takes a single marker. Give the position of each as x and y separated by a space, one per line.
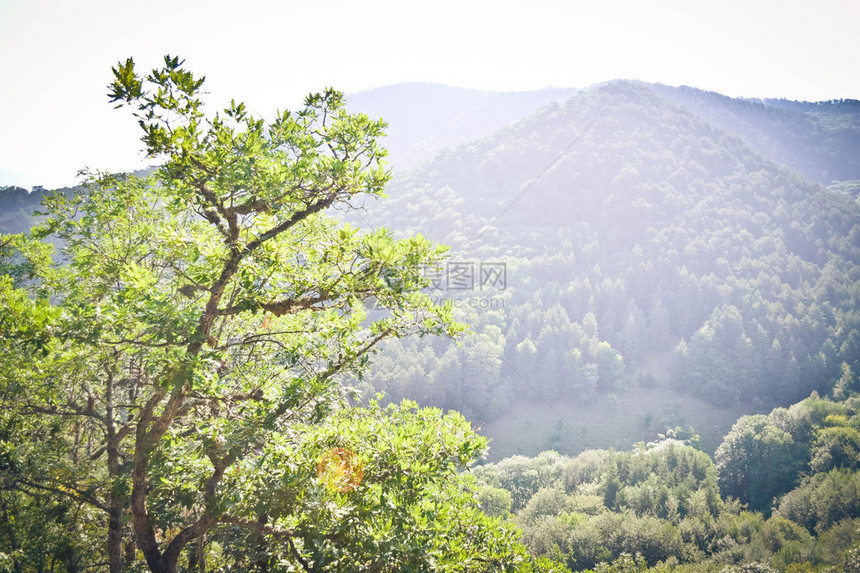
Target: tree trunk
115 545
13 541
118 501
260 542
197 556
130 554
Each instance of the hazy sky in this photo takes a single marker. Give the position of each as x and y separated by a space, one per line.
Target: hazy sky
55 56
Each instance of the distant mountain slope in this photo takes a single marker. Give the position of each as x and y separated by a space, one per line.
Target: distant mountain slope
658 249
425 118
819 140
17 206
643 163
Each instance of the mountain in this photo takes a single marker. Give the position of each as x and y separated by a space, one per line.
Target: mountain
17 206
425 118
818 140
644 247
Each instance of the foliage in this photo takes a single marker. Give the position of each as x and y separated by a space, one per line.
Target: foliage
823 499
17 205
407 511
571 515
756 461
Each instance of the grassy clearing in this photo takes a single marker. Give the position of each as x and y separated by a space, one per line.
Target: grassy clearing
638 414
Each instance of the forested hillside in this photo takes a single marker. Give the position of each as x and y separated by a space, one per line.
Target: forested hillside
818 140
658 250
17 206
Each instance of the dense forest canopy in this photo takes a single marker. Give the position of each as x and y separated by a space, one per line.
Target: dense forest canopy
796 467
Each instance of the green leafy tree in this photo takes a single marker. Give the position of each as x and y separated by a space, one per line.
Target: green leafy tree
756 462
176 370
823 499
835 447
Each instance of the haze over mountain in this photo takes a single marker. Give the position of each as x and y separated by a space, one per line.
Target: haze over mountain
819 140
425 118
659 250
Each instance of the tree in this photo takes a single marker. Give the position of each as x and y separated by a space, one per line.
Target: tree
823 499
757 461
185 352
835 447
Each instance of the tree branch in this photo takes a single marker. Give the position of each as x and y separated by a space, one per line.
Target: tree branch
65 490
257 527
279 307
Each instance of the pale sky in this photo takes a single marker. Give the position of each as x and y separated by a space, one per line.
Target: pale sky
55 57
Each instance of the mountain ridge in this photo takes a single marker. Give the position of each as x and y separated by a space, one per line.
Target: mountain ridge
425 118
814 138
